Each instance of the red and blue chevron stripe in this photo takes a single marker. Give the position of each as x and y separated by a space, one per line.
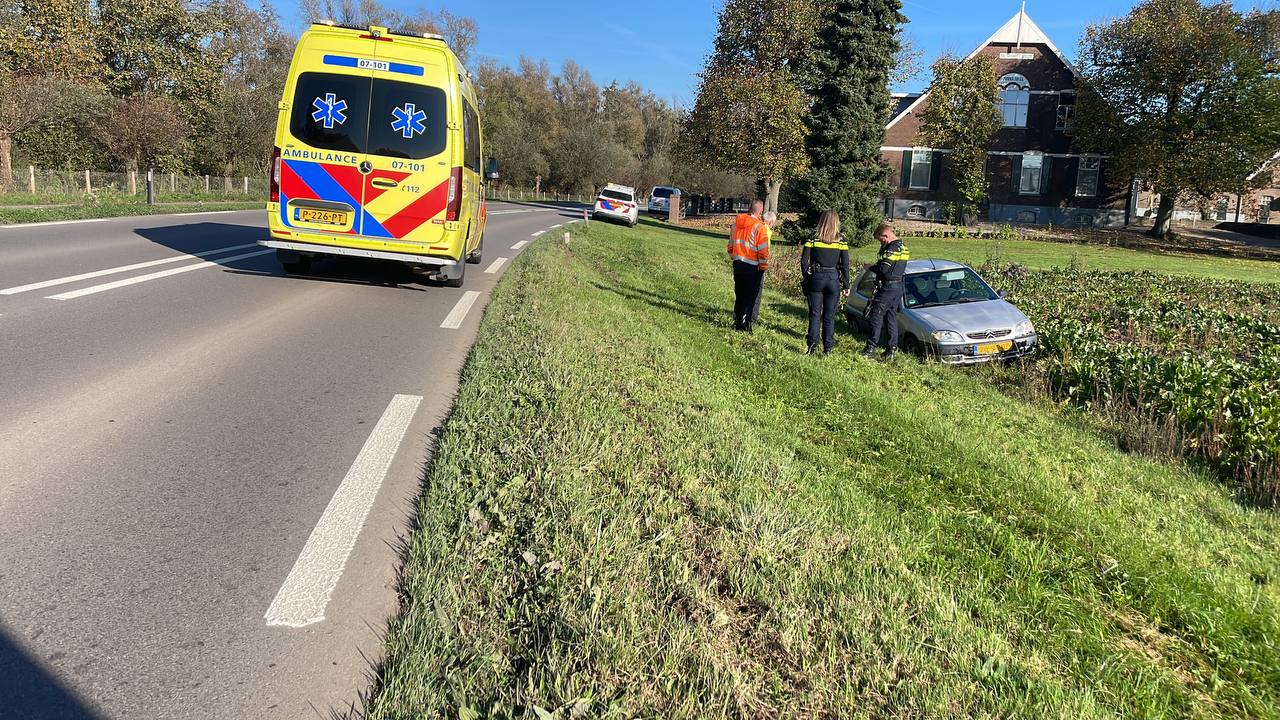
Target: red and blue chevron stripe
302 180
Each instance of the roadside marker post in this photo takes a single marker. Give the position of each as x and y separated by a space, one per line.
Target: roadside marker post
151 187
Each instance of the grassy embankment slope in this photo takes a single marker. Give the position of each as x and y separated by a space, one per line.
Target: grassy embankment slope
635 512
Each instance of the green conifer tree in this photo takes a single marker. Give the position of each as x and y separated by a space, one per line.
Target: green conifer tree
848 81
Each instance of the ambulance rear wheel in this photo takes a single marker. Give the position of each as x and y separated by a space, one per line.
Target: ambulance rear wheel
457 282
293 262
474 258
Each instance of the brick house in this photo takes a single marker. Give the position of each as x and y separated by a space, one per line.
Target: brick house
1260 204
1034 173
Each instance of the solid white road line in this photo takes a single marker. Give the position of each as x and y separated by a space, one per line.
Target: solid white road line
123 268
205 212
306 592
54 222
94 289
520 244
497 265
459 311
513 212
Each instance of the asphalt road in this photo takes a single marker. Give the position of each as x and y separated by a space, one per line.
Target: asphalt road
187 456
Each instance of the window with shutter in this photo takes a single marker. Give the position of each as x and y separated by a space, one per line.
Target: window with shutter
1087 176
1030 178
921 169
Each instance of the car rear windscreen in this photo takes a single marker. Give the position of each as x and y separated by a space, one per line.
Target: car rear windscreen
661 192
615 195
382 117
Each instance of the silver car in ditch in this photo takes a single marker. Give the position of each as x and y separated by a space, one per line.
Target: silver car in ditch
949 313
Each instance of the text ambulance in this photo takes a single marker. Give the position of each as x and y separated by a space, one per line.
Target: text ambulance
378 154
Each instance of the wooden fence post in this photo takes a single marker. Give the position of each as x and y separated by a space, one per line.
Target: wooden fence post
88 184
171 181
133 182
246 185
206 183
31 178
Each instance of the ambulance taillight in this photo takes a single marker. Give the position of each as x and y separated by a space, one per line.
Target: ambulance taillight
454 206
275 175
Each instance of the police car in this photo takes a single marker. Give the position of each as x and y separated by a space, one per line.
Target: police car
617 203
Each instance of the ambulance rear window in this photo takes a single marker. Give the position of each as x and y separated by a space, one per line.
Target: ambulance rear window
407 120
331 111
381 117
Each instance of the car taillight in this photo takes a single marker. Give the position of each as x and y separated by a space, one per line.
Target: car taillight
275 175
454 205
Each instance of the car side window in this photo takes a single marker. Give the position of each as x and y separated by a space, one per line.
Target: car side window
867 285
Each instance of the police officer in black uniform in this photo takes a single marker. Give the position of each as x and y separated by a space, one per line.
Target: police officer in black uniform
824 263
889 268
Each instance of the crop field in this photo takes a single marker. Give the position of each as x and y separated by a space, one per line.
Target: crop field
635 512
1181 365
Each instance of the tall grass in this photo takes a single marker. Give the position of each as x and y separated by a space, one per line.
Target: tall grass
635 512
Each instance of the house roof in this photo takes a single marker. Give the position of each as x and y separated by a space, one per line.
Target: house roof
901 101
1020 30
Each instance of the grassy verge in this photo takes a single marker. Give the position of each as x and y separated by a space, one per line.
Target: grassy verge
116 208
636 512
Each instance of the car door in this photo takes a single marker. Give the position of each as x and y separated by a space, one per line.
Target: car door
863 290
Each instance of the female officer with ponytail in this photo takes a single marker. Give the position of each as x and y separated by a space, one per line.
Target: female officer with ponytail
824 263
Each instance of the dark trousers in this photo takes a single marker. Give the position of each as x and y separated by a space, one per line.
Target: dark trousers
884 310
823 290
748 286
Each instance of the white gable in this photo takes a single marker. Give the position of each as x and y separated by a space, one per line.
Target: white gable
1020 28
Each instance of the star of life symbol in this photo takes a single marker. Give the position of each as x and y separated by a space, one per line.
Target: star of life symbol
330 111
409 121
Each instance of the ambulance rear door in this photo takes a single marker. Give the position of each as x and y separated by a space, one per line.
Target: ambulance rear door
321 184
412 174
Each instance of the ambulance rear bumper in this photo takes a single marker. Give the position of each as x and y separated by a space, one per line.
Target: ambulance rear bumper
358 252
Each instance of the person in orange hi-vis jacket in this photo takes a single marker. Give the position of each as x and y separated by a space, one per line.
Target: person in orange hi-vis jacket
749 248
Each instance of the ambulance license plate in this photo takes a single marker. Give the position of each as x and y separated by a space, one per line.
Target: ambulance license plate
322 217
992 348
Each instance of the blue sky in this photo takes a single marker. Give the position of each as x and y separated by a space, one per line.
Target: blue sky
663 45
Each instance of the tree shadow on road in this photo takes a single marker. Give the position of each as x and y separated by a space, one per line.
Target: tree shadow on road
30 691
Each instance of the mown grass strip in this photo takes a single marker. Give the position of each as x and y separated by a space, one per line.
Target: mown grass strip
636 512
115 208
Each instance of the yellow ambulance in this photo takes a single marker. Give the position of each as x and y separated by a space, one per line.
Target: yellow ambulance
378 154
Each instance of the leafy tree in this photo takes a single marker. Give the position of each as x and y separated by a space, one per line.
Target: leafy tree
1181 95
238 138
749 114
854 54
139 128
25 101
50 37
962 116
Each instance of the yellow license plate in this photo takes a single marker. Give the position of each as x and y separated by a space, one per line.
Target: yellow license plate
322 217
992 348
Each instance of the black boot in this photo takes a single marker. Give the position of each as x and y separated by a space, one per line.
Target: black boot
890 354
869 351
813 350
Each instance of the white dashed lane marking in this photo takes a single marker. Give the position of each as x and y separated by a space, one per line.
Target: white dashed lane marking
496 266
123 268
460 310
